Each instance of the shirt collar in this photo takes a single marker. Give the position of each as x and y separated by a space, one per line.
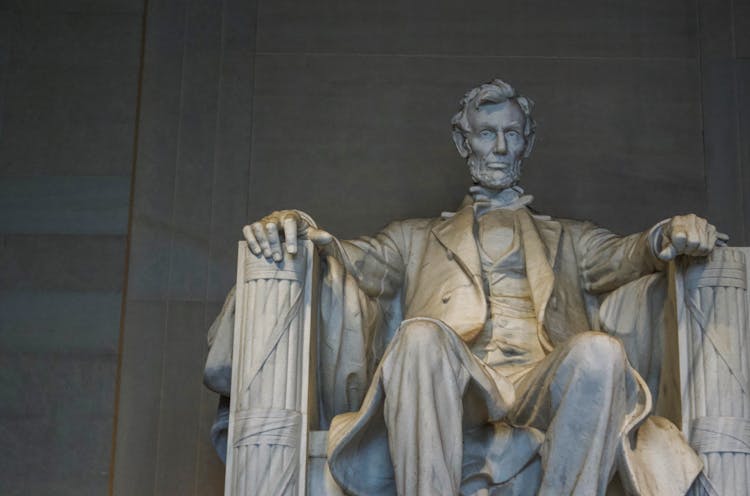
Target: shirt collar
484 200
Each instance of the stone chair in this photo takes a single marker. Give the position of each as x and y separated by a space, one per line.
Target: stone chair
685 331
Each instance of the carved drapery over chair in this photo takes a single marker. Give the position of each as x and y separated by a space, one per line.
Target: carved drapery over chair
685 331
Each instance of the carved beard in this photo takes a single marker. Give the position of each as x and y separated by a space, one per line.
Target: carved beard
494 178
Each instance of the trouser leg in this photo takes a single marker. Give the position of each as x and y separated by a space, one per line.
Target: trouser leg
578 396
424 382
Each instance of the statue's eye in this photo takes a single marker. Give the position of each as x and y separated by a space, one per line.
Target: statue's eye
487 133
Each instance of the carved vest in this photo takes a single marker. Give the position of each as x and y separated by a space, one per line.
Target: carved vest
509 341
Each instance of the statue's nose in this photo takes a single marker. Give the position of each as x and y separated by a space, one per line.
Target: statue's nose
500 144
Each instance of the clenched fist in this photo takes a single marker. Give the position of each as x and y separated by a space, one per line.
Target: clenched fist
689 235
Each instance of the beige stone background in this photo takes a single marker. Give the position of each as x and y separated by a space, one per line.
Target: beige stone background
137 137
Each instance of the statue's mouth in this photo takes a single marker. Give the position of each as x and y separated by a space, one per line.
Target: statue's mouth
497 165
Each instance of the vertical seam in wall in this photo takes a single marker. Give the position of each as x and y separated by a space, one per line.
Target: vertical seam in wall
252 110
4 74
699 34
732 29
738 123
217 129
168 295
128 238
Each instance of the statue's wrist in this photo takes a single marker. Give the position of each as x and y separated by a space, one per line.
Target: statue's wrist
655 237
307 218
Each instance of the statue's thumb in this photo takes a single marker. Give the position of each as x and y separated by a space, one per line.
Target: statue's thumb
319 236
668 253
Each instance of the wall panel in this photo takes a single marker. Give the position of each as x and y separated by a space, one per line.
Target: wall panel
591 28
342 109
68 85
375 135
191 177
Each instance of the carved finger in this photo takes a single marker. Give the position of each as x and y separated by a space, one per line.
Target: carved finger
668 252
290 234
251 241
273 241
692 235
319 236
260 236
678 238
694 231
709 239
673 239
722 239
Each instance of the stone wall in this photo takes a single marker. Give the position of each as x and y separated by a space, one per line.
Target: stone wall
68 99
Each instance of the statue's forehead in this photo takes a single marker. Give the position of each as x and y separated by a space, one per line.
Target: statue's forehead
506 112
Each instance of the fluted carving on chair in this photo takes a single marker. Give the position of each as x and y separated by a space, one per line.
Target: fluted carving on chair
270 364
715 368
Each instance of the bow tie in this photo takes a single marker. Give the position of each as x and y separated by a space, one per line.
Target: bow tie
486 200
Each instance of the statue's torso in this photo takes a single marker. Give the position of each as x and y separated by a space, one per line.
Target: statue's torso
509 341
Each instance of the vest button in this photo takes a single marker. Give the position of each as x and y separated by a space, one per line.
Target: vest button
449 254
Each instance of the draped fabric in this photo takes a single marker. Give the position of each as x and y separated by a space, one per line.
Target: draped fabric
430 268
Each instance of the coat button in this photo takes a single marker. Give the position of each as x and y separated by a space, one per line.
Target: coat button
449 254
446 297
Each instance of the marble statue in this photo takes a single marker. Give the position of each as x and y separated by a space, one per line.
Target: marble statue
466 354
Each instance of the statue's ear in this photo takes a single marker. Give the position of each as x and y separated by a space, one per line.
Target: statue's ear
529 145
461 145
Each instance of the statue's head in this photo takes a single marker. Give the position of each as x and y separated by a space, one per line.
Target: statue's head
494 131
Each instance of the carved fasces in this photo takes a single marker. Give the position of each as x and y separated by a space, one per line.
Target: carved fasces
269 411
715 366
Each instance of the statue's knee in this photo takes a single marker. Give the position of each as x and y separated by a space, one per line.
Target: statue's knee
420 344
597 354
421 335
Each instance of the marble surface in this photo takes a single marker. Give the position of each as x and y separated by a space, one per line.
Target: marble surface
438 414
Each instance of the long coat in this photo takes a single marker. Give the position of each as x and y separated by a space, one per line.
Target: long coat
430 268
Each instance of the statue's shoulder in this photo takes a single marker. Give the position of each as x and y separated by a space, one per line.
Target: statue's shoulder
566 222
572 227
410 227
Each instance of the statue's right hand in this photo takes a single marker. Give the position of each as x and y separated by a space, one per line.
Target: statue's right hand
265 236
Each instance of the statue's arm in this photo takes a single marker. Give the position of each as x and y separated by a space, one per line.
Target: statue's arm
376 262
608 261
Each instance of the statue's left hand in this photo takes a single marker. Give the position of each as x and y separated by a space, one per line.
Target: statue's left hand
689 235
266 235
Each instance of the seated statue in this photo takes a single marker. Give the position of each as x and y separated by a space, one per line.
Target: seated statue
461 354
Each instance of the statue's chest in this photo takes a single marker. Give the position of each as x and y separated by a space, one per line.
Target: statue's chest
509 336
495 233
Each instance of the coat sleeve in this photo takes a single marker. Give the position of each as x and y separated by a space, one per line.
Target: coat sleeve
360 310
376 262
608 261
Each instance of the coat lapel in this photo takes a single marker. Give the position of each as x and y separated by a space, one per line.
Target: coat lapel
541 240
456 234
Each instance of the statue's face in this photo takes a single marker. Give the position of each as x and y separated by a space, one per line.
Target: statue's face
496 144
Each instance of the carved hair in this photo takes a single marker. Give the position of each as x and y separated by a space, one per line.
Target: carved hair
496 91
